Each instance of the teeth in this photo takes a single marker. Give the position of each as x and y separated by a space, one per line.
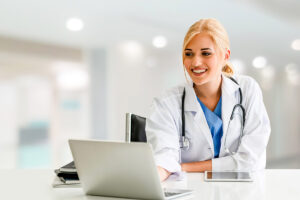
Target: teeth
199 71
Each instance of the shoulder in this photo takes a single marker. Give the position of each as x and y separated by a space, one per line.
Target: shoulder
173 94
250 89
247 83
169 101
167 106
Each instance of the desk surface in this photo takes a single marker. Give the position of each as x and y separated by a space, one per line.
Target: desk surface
268 184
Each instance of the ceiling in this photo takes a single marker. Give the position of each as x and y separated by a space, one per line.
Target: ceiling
257 27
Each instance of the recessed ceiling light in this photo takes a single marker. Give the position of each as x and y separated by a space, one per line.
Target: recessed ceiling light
259 62
159 41
296 45
74 24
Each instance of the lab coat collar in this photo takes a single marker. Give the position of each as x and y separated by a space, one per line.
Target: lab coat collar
191 103
228 85
228 101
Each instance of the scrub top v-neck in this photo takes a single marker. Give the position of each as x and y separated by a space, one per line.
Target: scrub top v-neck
215 124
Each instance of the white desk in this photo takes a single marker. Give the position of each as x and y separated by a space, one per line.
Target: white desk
268 184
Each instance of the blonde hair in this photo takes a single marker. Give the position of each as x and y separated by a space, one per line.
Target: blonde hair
218 34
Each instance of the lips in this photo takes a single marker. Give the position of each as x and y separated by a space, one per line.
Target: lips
198 71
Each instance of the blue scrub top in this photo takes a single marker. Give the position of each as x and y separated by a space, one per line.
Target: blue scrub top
215 124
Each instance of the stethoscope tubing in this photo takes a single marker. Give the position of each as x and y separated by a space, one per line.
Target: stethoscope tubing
184 143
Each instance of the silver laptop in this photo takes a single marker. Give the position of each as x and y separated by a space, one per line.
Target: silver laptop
119 169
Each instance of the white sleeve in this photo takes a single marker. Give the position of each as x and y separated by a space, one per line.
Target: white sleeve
162 134
251 152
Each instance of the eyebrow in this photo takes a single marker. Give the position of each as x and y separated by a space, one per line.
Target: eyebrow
203 49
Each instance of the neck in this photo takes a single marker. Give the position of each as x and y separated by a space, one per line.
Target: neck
209 90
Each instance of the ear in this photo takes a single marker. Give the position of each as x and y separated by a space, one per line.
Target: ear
227 54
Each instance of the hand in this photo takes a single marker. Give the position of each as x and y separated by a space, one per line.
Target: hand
163 173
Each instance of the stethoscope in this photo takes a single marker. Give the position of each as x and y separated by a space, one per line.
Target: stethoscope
184 141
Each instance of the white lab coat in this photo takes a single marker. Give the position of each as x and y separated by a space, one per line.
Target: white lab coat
163 128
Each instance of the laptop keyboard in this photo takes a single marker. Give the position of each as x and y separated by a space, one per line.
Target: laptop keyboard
169 194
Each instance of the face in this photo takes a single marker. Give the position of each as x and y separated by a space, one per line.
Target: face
203 60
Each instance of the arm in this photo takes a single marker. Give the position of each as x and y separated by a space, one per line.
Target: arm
251 153
162 134
199 166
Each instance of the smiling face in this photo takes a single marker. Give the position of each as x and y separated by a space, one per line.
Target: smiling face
203 60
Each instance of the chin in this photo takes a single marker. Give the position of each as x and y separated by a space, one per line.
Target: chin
199 82
204 80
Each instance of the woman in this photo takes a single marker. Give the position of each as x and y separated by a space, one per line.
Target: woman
217 122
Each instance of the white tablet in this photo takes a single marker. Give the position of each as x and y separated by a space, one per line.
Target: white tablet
233 176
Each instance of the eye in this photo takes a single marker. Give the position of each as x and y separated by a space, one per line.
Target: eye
188 54
206 53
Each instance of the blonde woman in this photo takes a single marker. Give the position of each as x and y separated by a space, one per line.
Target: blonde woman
216 122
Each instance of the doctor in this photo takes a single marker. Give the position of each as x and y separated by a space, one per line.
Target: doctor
216 122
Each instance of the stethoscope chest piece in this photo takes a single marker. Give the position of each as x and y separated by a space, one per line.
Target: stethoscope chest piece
185 143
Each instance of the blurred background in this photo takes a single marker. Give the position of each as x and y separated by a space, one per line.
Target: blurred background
73 68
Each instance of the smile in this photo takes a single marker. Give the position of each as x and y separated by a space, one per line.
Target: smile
199 71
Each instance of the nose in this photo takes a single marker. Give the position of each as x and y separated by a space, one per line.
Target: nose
197 61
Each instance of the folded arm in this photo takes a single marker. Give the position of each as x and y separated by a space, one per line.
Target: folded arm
199 166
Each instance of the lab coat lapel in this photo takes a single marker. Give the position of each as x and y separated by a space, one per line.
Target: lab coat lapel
229 100
192 105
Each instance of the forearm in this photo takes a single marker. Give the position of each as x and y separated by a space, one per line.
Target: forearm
199 166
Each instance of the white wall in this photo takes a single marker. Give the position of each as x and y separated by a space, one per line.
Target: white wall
133 82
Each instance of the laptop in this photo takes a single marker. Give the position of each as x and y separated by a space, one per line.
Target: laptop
118 169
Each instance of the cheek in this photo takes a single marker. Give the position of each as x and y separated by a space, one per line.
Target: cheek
186 63
215 65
